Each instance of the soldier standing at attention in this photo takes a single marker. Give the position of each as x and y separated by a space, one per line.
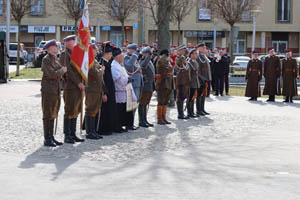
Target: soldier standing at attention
195 82
94 96
73 89
148 88
204 78
51 88
164 85
271 74
134 71
289 74
182 80
253 77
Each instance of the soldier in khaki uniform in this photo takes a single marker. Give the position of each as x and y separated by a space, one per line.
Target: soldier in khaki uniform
51 87
195 82
164 86
289 74
73 89
94 96
182 80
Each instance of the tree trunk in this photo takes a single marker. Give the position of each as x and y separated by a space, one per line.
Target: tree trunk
123 32
18 49
163 29
76 24
179 30
231 43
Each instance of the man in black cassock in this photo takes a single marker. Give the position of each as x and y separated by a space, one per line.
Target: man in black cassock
109 110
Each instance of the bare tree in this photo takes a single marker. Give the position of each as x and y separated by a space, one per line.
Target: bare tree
70 9
232 11
180 10
121 10
161 12
20 8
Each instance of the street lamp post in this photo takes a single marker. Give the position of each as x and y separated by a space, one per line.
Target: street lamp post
98 30
254 13
6 68
215 21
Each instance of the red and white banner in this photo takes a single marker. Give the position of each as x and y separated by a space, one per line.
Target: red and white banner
82 55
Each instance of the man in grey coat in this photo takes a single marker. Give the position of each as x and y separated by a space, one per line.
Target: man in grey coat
134 71
148 88
204 77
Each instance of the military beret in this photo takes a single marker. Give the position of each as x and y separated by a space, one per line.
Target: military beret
146 50
201 45
132 46
164 52
254 52
270 48
50 43
192 51
288 51
116 52
70 37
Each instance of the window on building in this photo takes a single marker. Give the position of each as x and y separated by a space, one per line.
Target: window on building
204 11
240 44
1 7
284 9
37 7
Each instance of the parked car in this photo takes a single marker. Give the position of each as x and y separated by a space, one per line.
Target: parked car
262 57
40 53
13 52
39 50
240 63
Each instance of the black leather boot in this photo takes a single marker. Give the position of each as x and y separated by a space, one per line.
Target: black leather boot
287 99
51 132
180 110
145 117
90 129
291 100
198 107
190 108
67 131
73 131
48 142
203 106
141 111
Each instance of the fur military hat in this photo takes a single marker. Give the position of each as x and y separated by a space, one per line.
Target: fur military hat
116 52
164 52
106 47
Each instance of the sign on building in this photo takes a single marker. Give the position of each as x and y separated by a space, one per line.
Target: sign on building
41 29
72 28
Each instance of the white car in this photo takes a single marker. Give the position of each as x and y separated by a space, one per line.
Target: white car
240 62
39 50
12 53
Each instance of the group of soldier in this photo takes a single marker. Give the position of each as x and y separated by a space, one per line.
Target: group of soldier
122 81
272 70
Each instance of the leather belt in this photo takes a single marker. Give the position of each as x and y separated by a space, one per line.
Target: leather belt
50 79
289 70
135 72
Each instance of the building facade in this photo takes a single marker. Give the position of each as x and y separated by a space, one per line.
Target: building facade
278 25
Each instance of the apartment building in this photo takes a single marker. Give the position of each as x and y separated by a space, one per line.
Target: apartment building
278 25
